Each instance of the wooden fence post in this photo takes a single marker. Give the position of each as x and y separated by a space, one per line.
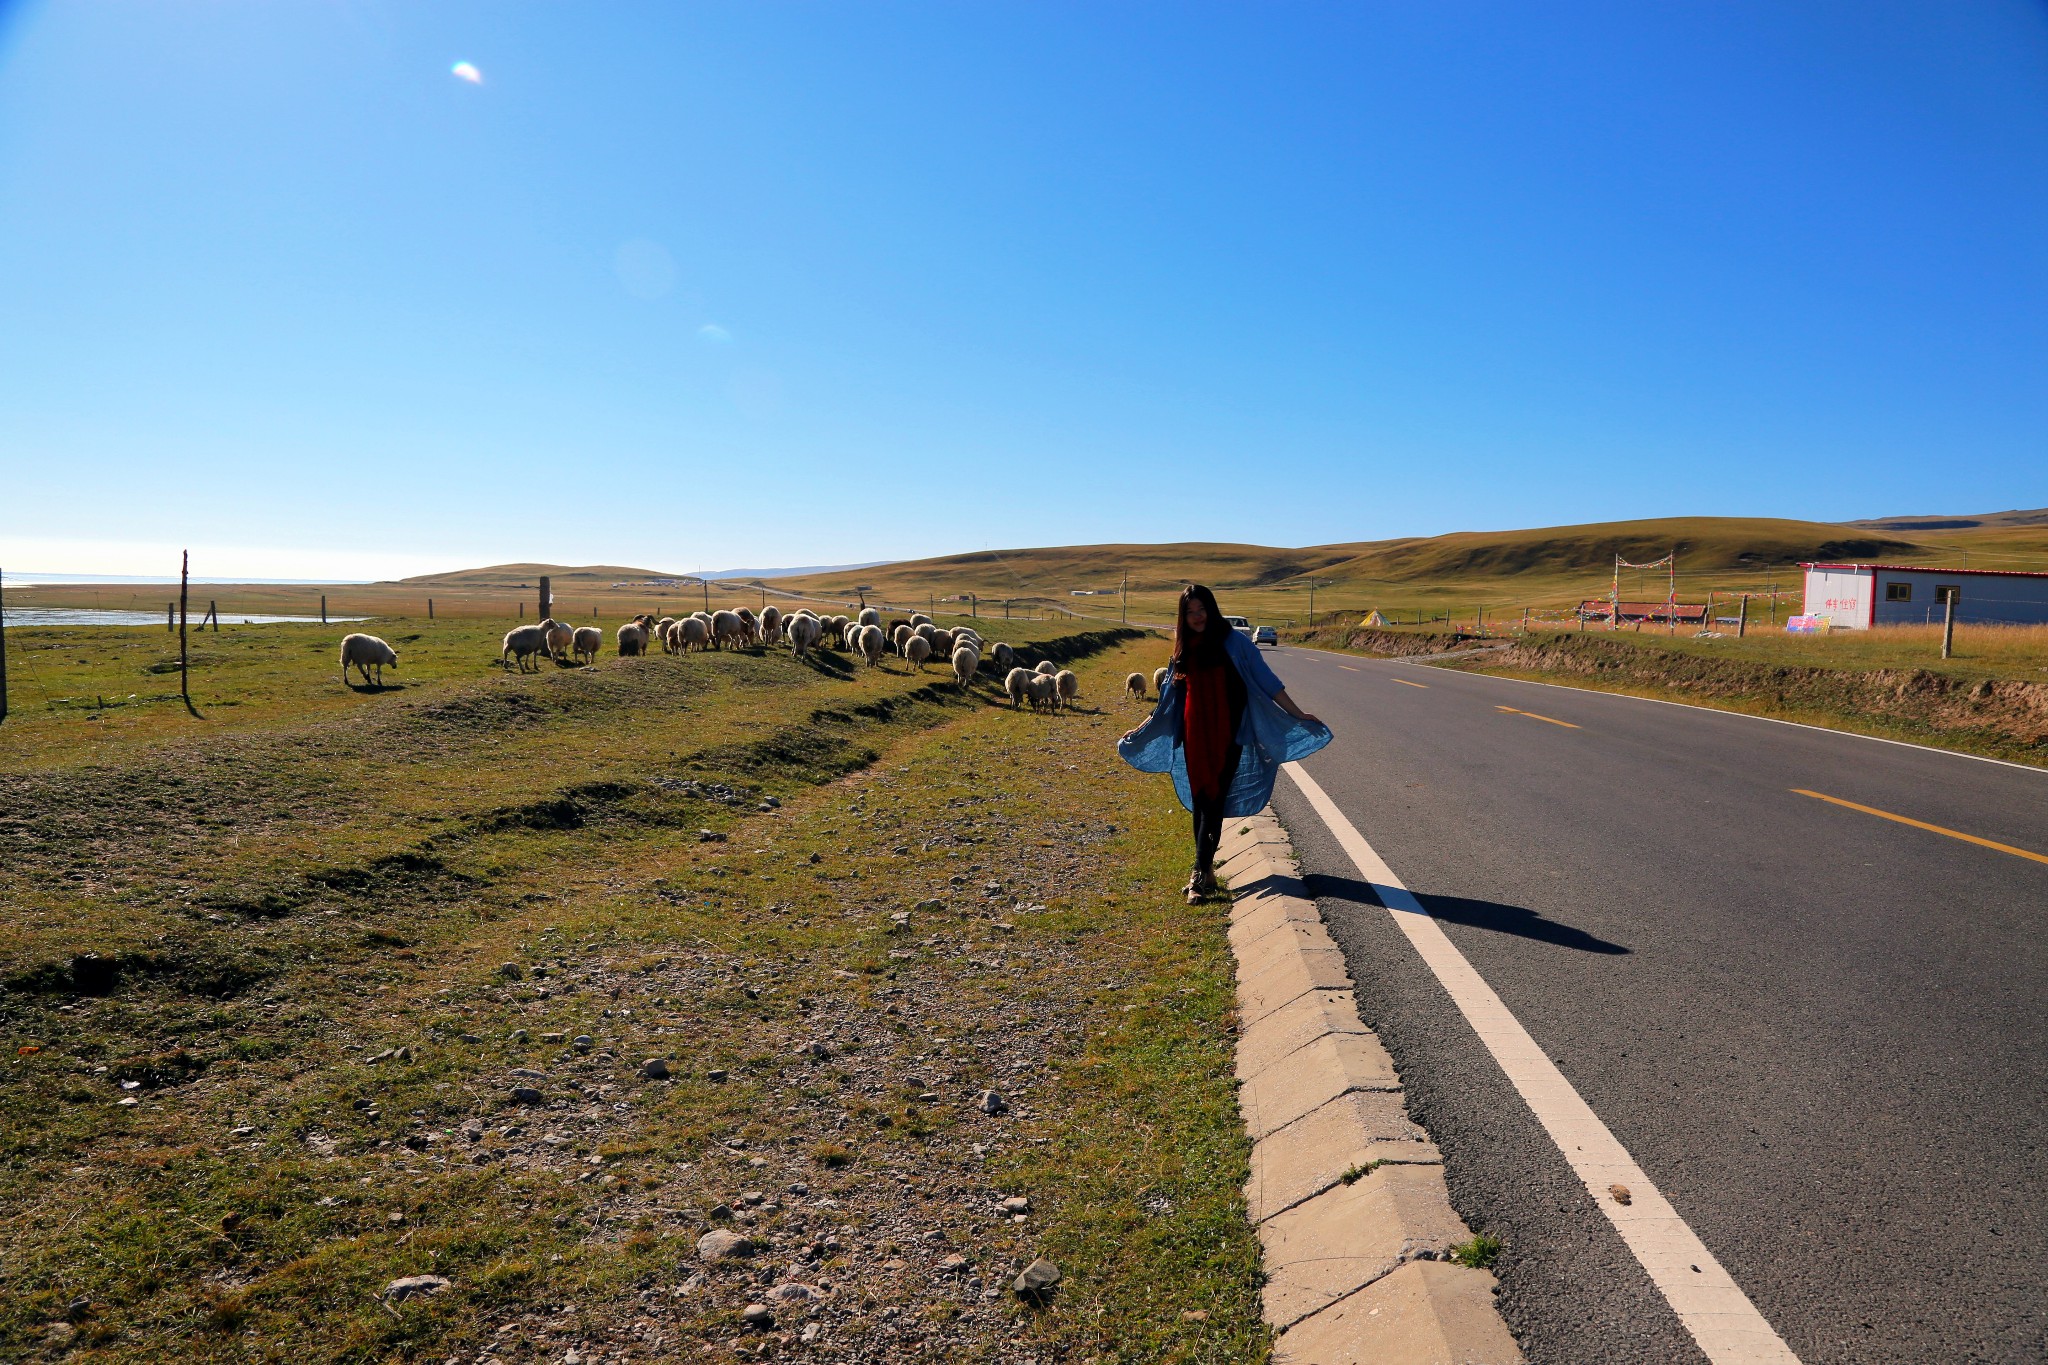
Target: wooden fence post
1742 618
170 616
323 608
430 608
213 614
184 661
547 599
1948 624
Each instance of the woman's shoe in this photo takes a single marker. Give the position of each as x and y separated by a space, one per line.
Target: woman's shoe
1206 883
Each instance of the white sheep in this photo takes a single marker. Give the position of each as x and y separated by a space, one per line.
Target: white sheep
916 650
522 643
803 634
1005 657
366 653
1159 680
1134 686
898 636
1015 684
966 663
1068 684
588 640
1043 690
727 627
632 640
693 632
1046 667
771 625
871 645
869 617
663 632
918 618
561 639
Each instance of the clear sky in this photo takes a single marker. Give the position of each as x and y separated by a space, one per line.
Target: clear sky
684 285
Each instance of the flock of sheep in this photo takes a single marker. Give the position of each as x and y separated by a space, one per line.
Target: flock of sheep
916 638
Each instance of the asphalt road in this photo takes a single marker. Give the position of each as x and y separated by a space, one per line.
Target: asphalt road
1822 1034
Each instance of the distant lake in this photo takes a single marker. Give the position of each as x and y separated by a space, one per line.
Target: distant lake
94 616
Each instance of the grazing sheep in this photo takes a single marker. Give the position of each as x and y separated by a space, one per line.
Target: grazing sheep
1043 691
1015 684
803 633
771 624
1047 667
966 663
869 617
943 642
522 644
916 650
663 631
890 626
1134 686
1005 657
727 628
561 639
1159 680
693 632
871 645
366 653
918 618
924 628
588 640
898 636
632 640
1068 685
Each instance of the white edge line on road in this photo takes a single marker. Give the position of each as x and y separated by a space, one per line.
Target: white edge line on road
1711 710
1721 1318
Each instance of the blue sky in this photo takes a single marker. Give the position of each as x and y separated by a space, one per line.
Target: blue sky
686 286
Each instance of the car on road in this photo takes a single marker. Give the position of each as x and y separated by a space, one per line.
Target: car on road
1238 623
1265 635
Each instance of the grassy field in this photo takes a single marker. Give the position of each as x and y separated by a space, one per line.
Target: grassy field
272 976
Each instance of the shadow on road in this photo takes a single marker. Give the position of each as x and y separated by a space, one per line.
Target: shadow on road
1501 919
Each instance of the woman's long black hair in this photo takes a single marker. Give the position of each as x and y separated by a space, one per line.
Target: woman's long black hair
1204 649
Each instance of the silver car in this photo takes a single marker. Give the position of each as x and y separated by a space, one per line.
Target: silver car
1265 635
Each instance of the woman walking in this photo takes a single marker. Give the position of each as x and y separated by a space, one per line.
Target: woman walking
1223 726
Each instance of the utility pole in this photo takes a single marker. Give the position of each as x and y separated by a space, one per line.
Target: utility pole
547 599
1124 591
1742 618
1948 623
1312 598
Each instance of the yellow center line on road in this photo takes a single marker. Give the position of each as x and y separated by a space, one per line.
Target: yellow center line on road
1533 716
1347 668
1922 824
1405 683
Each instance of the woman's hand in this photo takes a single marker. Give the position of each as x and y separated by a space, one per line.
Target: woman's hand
1132 733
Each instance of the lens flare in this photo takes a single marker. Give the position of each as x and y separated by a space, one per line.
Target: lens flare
464 71
714 334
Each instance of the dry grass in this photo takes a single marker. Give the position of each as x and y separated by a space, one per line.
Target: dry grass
240 914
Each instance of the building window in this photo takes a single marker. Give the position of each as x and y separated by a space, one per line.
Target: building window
1898 592
1947 592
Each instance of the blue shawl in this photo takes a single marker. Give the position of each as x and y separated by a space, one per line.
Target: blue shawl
1268 735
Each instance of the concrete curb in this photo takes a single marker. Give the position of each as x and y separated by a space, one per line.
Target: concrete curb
1346 1192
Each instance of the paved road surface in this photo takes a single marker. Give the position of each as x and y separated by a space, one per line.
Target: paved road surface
1823 1034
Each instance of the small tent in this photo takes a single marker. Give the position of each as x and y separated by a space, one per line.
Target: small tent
1373 618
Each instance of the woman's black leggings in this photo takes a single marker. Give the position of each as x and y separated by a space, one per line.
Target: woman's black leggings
1209 814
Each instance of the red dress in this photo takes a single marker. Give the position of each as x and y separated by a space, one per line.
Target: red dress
1209 714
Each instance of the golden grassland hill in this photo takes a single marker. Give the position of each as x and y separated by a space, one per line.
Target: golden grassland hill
1545 569
532 982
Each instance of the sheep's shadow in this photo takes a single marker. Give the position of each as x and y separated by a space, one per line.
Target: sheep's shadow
1491 915
373 689
818 661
